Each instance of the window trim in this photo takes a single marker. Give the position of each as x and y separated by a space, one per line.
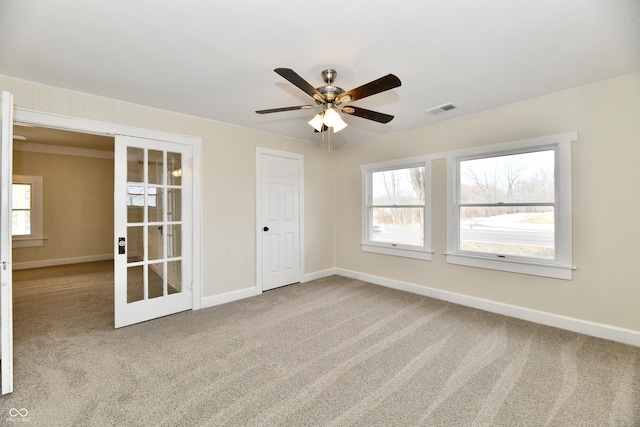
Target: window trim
395 249
561 267
36 238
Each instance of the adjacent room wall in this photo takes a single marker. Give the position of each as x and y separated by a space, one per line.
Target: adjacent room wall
606 203
77 208
228 181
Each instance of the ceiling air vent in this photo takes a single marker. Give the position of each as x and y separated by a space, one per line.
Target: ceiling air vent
441 108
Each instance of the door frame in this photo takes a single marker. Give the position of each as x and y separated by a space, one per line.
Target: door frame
260 151
96 127
6 273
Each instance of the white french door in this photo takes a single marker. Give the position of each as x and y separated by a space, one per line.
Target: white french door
6 284
153 229
280 178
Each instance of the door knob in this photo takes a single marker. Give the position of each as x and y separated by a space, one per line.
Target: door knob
265 229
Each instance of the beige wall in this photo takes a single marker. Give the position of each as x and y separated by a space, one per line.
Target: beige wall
228 181
606 203
77 206
229 203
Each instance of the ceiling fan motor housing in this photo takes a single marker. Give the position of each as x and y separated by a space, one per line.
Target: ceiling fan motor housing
329 76
329 91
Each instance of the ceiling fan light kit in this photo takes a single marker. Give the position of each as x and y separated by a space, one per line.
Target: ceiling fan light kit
316 122
331 98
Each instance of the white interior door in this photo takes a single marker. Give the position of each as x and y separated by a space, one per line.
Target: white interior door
280 212
6 290
153 229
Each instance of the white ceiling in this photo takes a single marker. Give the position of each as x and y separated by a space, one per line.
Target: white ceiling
216 59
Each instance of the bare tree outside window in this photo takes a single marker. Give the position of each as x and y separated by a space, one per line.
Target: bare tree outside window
398 199
507 204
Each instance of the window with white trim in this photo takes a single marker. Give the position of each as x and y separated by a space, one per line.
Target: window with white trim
397 208
510 206
26 211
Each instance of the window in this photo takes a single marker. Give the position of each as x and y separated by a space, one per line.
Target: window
21 210
26 213
510 206
397 208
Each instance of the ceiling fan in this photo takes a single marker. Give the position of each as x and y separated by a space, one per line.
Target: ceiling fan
331 98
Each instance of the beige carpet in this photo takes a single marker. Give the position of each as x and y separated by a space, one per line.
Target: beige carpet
330 352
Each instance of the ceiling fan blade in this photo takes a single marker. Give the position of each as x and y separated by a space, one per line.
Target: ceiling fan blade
382 84
301 83
367 114
278 110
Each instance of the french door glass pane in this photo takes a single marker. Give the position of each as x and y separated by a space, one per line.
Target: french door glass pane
174 241
174 277
527 231
156 167
135 283
135 244
135 203
154 204
174 168
135 164
155 248
156 280
174 204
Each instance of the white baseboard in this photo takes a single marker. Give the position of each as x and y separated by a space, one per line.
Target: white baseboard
61 261
319 275
599 330
230 297
253 291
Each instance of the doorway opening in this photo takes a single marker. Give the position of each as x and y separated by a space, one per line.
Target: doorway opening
74 252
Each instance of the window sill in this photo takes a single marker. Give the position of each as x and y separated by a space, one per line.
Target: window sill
401 252
523 267
27 242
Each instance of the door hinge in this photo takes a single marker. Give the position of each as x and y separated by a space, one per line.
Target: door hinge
4 265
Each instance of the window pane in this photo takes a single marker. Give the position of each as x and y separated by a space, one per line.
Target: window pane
21 196
517 178
527 231
398 187
398 225
21 223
